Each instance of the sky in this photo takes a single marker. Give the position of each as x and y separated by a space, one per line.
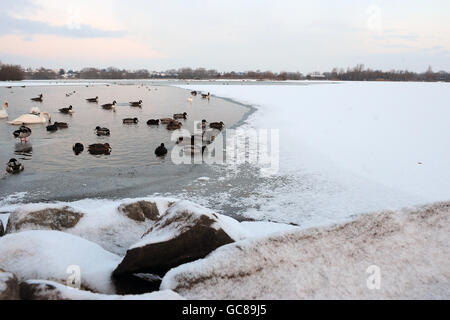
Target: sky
239 35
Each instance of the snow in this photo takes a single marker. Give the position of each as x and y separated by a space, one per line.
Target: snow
68 293
41 83
348 148
410 248
48 255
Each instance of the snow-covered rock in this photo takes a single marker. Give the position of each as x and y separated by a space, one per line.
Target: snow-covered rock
405 252
59 219
9 286
186 232
54 255
48 290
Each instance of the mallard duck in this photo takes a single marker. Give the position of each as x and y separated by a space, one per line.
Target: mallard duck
161 151
153 122
99 149
52 127
102 131
130 121
68 110
3 112
23 133
93 100
110 106
61 125
166 120
14 167
174 125
78 148
38 99
136 104
180 116
217 125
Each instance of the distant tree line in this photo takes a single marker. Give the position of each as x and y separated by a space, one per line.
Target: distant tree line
357 73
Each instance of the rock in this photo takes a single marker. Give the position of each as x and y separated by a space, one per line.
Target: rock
9 286
59 219
185 233
140 211
2 229
40 291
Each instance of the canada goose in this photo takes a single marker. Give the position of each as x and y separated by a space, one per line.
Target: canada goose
136 104
99 149
78 148
52 127
61 125
38 99
14 167
217 125
180 116
166 120
31 119
161 151
174 125
110 106
102 131
23 133
3 112
93 100
153 122
68 110
130 121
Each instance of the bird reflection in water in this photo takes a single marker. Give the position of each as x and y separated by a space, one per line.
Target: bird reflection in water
24 149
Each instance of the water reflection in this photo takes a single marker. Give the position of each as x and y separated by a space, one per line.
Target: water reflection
24 149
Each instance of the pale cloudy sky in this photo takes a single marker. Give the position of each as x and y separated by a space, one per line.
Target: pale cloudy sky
227 35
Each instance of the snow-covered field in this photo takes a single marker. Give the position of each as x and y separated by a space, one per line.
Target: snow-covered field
349 148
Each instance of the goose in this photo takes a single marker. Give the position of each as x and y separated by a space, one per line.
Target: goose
93 100
78 148
180 116
68 110
110 106
3 113
166 120
206 96
130 121
38 99
217 125
102 131
153 122
23 133
174 125
14 167
161 151
31 119
99 149
52 127
61 125
136 104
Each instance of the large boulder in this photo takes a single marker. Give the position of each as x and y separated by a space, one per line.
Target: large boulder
185 233
59 219
140 211
48 290
60 257
9 286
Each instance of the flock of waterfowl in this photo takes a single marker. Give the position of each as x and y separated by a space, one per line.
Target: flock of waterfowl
38 117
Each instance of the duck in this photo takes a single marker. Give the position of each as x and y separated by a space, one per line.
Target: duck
217 125
110 106
153 122
206 96
180 116
61 125
68 110
52 127
23 133
99 149
93 100
174 125
14 166
166 120
3 112
161 151
102 131
194 93
38 99
32 119
130 121
136 104
78 148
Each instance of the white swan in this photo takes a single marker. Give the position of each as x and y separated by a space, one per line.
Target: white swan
31 119
3 113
